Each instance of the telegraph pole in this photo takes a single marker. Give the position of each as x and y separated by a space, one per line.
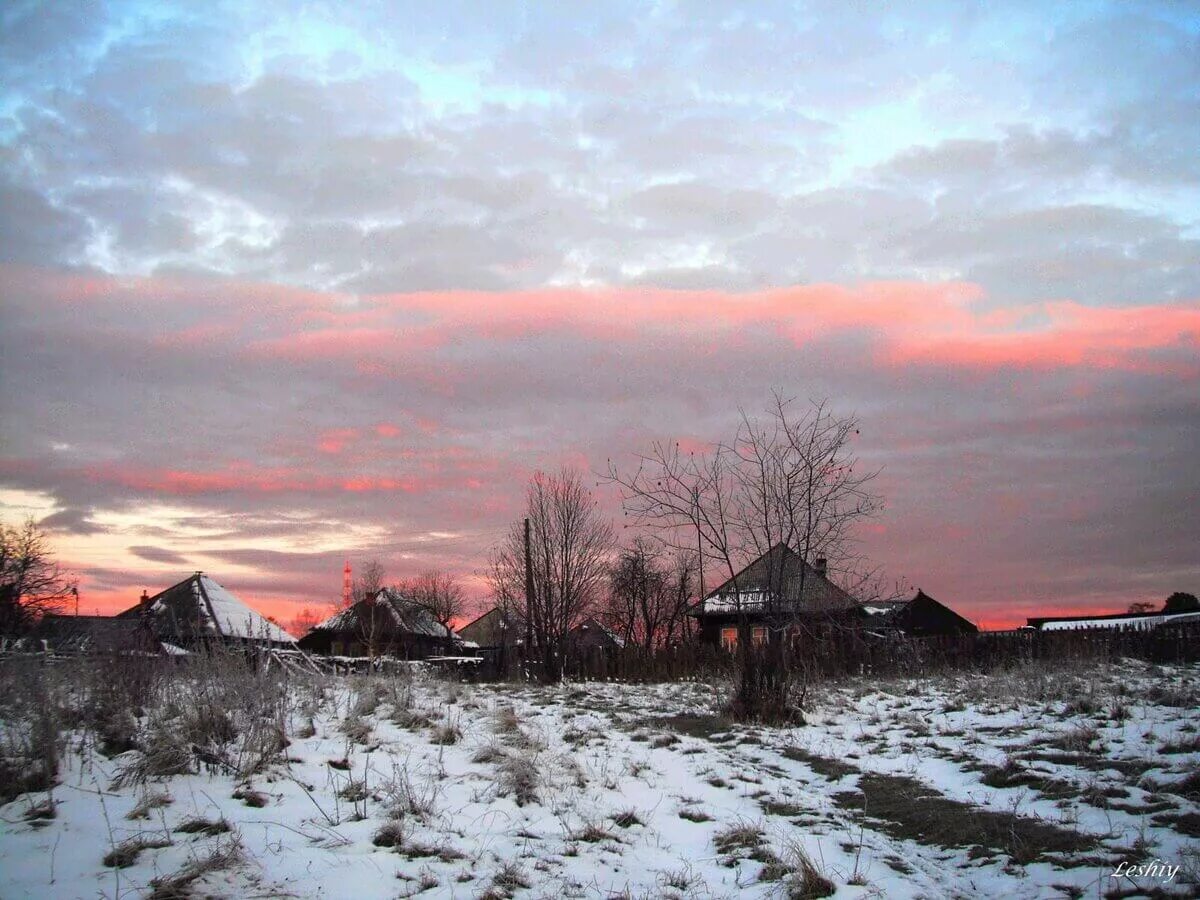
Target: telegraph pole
528 594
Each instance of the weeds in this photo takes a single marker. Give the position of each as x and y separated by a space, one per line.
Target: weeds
125 854
176 886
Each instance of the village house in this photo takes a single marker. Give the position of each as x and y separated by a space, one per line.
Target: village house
780 583
384 624
918 616
57 633
199 612
779 580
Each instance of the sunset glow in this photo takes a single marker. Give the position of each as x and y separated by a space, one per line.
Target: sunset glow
276 295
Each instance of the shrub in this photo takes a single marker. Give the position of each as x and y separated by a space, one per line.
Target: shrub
519 778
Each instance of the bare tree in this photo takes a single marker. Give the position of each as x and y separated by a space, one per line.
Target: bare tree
31 581
569 549
369 581
373 622
648 594
303 623
438 592
788 479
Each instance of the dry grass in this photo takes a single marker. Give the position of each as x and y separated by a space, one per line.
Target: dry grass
126 853
201 825
178 885
149 801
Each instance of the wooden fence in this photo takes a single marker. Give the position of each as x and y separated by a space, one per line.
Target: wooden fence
851 652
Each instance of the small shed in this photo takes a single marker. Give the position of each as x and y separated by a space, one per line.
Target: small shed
918 616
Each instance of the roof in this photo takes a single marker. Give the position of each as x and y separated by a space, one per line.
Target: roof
490 628
594 625
91 633
778 571
200 607
1113 620
403 613
919 613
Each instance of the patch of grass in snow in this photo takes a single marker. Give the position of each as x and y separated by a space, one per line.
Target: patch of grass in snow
801 877
126 853
591 833
1077 740
251 797
391 833
150 800
833 769
1184 823
1013 774
412 719
627 818
743 841
356 729
1182 745
506 882
40 811
698 726
200 825
692 814
777 807
489 753
518 777
446 734
905 808
178 885
165 754
1091 761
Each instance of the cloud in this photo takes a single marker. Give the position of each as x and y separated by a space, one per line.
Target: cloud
314 278
159 555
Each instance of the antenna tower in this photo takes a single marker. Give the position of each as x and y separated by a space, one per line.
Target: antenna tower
347 592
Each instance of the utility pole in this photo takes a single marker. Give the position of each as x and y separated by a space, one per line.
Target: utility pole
699 546
528 594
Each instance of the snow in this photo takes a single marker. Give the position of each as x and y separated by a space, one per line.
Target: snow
602 749
1145 622
730 602
236 619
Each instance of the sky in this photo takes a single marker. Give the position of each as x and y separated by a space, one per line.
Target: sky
283 285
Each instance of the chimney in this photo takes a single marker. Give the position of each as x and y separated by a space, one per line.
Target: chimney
144 600
821 565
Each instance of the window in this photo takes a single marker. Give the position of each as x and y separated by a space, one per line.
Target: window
729 637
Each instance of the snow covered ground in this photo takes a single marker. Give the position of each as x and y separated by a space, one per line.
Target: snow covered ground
1039 783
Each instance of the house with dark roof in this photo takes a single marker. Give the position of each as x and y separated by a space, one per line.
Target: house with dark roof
56 633
384 624
918 616
493 629
777 582
200 612
592 635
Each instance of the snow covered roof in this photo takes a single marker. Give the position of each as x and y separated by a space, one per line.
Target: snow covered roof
779 570
404 614
1144 621
198 606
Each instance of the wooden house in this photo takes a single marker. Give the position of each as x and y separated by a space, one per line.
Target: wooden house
200 612
777 583
918 616
384 624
